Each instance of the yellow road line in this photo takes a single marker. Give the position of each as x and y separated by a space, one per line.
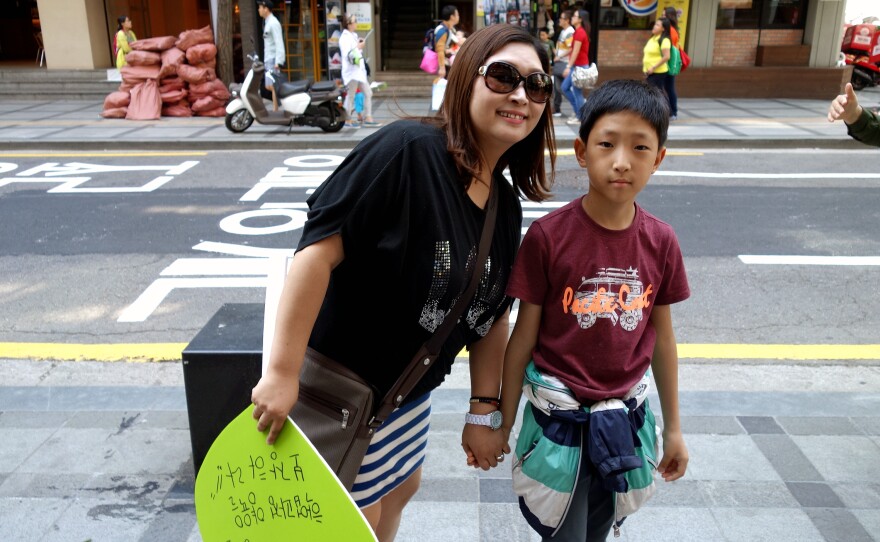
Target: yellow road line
780 351
93 352
96 154
171 351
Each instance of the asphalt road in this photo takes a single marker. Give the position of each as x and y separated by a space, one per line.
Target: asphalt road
146 247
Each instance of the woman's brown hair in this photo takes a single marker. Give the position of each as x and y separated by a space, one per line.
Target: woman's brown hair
525 158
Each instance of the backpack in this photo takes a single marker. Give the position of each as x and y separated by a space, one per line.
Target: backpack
674 62
430 39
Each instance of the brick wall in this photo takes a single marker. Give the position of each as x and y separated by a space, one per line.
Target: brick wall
735 47
622 47
788 36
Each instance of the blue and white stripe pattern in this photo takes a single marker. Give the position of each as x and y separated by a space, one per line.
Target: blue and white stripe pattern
396 451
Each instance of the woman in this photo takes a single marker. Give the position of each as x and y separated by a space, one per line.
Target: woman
560 63
672 15
655 56
123 40
386 251
354 74
579 57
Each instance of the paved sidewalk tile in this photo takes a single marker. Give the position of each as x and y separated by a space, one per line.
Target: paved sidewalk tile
785 456
839 525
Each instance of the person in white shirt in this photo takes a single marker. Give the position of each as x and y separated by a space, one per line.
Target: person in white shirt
354 73
273 47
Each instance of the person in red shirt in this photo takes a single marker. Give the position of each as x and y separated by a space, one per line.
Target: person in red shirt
595 280
579 57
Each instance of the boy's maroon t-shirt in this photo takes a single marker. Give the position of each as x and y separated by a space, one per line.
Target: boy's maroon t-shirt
597 288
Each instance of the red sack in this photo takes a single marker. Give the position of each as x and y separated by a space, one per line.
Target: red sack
171 60
177 110
116 113
193 75
216 112
214 88
154 44
143 58
206 103
116 100
134 75
146 102
170 84
188 38
211 64
200 54
126 87
173 96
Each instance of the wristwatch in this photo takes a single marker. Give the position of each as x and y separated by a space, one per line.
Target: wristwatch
492 419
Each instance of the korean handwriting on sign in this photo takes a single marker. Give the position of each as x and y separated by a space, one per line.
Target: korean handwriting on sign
250 511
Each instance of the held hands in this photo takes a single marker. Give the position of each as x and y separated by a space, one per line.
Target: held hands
845 107
273 398
675 456
481 445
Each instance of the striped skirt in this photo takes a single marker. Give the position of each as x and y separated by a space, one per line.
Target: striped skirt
396 451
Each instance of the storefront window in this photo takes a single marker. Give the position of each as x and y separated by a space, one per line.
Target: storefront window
761 14
612 15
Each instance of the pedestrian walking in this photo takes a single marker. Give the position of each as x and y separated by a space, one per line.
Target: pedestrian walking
656 54
395 228
354 74
560 62
579 58
672 16
273 48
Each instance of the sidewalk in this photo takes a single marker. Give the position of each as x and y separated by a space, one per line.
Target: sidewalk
702 122
101 451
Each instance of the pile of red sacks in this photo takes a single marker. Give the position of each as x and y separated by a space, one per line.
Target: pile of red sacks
171 77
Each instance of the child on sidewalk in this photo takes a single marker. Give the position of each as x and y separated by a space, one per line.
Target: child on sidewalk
595 280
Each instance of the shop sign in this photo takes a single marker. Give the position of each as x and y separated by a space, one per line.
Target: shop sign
639 8
364 15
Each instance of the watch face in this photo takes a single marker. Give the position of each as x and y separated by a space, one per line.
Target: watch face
495 419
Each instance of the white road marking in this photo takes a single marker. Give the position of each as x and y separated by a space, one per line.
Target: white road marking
809 260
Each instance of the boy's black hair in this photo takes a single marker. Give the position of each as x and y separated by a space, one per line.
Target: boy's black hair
544 29
621 95
447 12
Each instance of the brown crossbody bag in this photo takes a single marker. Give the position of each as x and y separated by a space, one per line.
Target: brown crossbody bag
337 409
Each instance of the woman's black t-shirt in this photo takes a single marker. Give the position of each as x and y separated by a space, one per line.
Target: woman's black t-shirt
410 234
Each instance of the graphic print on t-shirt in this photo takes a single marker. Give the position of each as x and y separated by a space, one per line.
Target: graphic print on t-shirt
613 293
487 294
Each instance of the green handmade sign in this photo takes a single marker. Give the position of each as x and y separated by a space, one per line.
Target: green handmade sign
248 491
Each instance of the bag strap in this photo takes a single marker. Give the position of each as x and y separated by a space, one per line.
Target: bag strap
430 350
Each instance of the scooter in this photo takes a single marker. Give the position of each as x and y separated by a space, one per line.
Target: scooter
301 103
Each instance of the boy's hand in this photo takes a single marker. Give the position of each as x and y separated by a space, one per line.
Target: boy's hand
675 457
845 107
483 446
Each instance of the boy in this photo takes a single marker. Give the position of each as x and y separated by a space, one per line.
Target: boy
595 279
544 36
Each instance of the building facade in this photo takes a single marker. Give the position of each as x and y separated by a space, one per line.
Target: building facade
718 34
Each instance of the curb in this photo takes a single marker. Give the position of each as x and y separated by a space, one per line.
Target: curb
283 142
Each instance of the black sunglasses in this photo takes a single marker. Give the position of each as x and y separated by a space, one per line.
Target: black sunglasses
503 78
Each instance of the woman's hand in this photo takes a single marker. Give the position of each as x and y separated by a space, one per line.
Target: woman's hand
483 446
273 398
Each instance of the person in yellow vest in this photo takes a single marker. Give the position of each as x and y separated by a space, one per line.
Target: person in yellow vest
123 40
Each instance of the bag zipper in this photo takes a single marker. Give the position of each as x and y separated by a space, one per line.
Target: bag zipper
343 412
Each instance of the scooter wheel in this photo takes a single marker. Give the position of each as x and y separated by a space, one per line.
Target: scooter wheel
239 121
335 126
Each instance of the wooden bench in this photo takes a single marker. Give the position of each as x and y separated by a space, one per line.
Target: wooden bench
783 55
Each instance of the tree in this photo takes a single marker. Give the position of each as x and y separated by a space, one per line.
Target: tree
224 40
248 19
